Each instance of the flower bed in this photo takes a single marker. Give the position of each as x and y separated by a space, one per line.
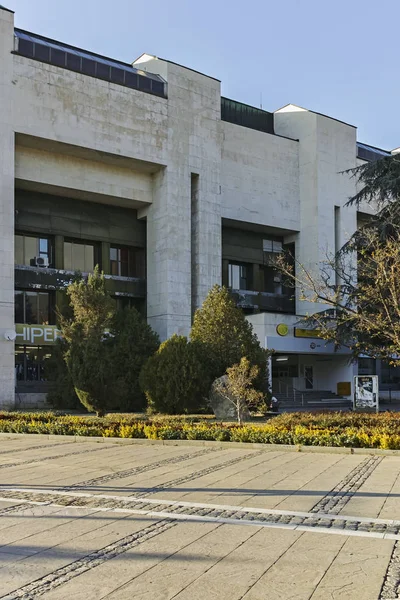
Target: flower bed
323 429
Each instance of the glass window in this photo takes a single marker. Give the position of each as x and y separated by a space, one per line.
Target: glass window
31 363
127 262
79 256
272 246
272 280
28 248
238 277
32 308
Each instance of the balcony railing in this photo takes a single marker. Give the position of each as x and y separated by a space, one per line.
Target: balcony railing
57 279
264 301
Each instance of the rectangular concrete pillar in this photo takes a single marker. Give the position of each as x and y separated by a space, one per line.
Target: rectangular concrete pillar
7 370
327 147
169 253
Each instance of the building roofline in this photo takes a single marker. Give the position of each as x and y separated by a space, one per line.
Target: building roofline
7 9
374 147
171 62
316 113
57 42
245 104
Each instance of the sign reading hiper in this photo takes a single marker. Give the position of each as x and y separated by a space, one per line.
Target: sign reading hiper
36 335
366 394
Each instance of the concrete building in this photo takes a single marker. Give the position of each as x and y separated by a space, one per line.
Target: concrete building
145 169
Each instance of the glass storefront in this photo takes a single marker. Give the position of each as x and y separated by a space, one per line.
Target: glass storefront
30 363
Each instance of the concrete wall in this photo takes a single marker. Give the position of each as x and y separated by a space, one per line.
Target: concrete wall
260 178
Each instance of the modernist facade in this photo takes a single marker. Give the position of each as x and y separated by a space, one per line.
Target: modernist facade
146 170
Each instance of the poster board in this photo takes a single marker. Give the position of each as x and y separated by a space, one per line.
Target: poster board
366 393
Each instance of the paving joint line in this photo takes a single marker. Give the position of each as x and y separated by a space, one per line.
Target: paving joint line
300 521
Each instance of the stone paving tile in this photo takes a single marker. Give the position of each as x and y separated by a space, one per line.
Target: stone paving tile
295 575
34 567
111 575
225 581
51 539
357 572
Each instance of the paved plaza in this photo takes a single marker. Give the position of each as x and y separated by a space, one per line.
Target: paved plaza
107 520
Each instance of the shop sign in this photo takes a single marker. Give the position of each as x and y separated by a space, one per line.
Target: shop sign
307 333
36 335
366 395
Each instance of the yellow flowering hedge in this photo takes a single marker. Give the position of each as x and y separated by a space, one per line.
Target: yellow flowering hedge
354 430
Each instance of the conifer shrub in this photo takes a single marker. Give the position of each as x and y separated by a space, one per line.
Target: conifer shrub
175 380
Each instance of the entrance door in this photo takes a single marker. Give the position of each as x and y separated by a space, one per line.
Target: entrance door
309 377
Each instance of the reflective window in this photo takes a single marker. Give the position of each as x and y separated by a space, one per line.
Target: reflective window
271 280
127 262
31 363
239 276
32 308
80 256
33 251
272 246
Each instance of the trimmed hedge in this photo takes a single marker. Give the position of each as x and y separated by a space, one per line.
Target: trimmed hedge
331 429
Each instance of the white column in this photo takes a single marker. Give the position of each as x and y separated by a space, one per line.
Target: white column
7 370
169 254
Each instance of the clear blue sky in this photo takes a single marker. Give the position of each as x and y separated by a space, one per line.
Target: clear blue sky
337 57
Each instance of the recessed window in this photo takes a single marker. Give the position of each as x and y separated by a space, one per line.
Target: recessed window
239 276
88 67
33 251
25 47
103 70
272 246
32 308
131 80
117 75
80 256
58 57
73 62
157 87
42 52
144 83
127 262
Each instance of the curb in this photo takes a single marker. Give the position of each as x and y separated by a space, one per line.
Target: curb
203 443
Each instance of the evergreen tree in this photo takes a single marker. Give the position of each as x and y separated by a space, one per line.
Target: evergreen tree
227 336
133 342
89 348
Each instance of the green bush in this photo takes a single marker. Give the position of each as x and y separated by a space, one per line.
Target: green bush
133 342
227 336
175 380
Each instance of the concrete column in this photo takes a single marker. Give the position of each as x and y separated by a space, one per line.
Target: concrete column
105 258
7 370
206 237
169 253
58 251
327 147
